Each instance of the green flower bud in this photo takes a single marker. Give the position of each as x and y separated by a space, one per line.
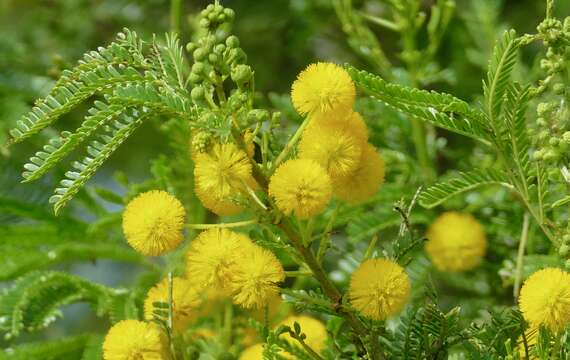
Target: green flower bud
566 137
195 78
229 14
190 47
567 264
205 23
566 239
213 58
563 250
558 89
198 67
237 56
257 115
241 74
232 41
538 155
198 93
219 49
553 141
199 54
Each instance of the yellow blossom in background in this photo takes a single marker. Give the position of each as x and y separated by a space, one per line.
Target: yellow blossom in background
213 255
254 352
133 339
545 299
364 181
314 329
220 174
323 88
301 187
531 335
153 222
335 148
255 278
185 301
350 121
379 288
456 242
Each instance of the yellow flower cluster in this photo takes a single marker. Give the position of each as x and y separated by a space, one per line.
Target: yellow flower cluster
334 155
153 222
315 331
232 263
545 299
456 242
379 288
221 174
133 339
186 300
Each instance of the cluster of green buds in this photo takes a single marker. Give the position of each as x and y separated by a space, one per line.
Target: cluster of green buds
552 133
564 249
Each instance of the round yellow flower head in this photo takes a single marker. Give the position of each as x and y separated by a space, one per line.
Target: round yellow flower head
133 339
364 181
335 148
256 276
323 88
379 288
301 187
456 242
185 301
545 299
213 256
219 175
254 352
153 222
314 329
350 121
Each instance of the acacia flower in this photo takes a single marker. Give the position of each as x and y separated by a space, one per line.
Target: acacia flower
323 88
185 301
315 331
213 256
336 148
350 121
545 299
255 278
133 339
254 352
153 222
379 288
456 242
365 180
301 187
220 173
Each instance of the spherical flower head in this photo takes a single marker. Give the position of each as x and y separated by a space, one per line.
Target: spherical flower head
545 299
219 175
323 88
335 148
365 180
350 121
254 352
301 187
153 222
185 301
315 331
456 242
133 339
255 278
213 256
379 288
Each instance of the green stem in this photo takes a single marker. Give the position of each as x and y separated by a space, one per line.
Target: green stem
290 145
175 15
228 320
325 242
370 248
520 256
297 273
221 225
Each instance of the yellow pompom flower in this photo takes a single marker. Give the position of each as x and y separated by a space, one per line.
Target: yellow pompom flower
219 175
185 301
153 222
379 288
213 256
365 180
456 242
350 121
545 299
323 88
334 147
255 278
133 339
301 187
254 352
314 329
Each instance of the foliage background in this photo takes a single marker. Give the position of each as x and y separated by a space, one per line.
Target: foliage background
41 38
